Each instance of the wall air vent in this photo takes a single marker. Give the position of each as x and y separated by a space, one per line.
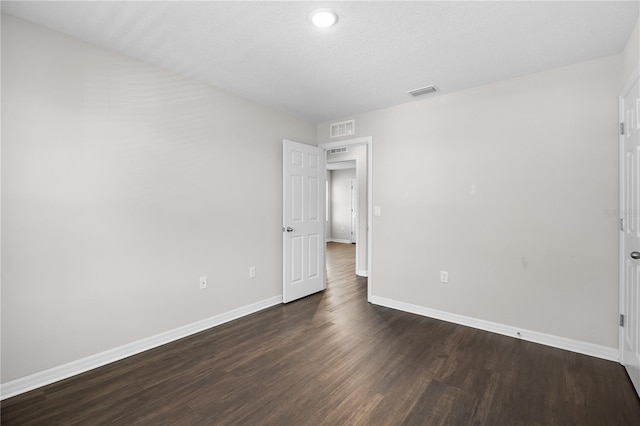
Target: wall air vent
338 150
344 128
422 91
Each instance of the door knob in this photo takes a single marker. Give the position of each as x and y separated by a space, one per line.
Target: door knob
635 255
291 230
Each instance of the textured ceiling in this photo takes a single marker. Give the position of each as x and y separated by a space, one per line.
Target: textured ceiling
269 52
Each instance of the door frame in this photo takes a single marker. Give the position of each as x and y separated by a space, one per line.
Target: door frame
635 75
354 207
368 141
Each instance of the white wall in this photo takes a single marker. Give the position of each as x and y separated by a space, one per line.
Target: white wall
122 184
509 188
631 54
341 203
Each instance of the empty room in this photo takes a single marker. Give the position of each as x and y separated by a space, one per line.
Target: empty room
306 212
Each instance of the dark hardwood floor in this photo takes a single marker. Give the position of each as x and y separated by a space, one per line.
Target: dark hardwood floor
334 359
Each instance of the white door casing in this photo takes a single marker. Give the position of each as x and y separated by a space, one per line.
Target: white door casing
353 183
303 224
630 230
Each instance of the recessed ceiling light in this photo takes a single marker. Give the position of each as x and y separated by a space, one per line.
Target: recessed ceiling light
323 18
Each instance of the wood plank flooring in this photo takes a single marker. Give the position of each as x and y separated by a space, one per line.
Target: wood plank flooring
334 359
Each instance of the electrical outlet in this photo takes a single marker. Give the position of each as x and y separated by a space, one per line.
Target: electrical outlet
444 276
252 272
203 283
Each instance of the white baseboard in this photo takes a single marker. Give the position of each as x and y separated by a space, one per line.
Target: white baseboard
591 349
43 378
362 273
338 240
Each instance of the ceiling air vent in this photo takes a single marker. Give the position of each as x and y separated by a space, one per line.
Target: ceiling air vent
422 91
344 128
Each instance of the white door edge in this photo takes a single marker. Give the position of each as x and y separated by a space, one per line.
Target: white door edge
629 145
635 75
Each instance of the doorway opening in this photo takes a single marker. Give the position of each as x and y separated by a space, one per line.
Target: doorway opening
349 215
342 202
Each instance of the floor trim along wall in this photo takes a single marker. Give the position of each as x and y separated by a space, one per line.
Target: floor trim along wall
34 381
598 351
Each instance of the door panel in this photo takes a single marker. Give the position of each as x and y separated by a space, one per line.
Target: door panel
630 234
303 221
314 198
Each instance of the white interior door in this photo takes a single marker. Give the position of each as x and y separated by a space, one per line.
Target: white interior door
630 232
303 220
